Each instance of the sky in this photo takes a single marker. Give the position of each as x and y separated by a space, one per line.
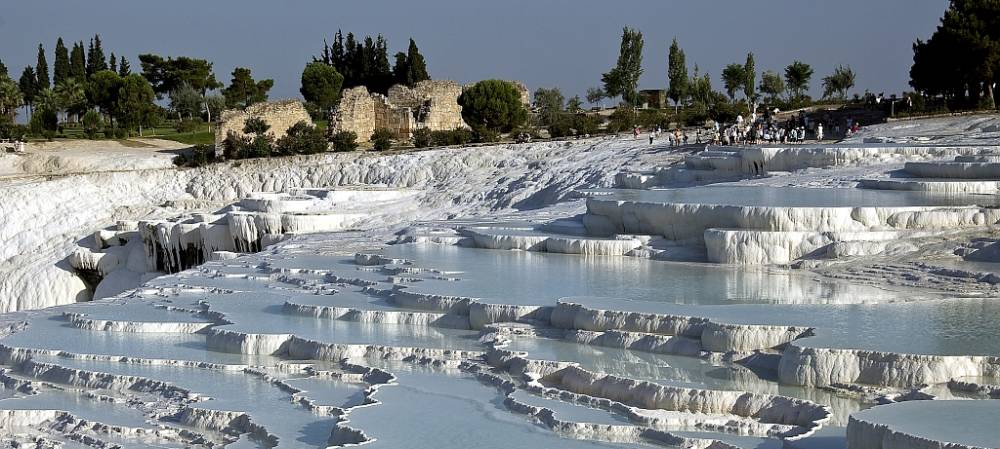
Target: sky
543 43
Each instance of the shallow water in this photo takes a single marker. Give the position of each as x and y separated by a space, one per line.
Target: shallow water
524 277
794 197
972 423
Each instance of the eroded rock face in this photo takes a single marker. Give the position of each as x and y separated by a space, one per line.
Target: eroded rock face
280 115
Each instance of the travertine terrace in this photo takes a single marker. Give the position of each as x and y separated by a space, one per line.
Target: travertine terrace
591 293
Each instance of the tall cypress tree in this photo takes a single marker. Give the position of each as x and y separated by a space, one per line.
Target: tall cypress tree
416 66
60 69
337 52
42 70
366 63
352 55
677 73
3 70
750 79
112 63
381 71
400 69
78 62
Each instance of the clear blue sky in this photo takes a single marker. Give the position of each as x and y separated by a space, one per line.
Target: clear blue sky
564 43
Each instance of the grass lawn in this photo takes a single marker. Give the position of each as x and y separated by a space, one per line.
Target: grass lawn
204 135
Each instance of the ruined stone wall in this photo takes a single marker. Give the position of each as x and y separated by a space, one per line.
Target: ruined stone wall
281 115
429 104
433 103
355 112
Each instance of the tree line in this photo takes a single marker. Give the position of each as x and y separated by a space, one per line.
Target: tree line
101 94
959 65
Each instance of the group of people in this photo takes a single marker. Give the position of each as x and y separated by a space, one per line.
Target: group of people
756 130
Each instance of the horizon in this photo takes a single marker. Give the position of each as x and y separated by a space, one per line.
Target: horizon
580 45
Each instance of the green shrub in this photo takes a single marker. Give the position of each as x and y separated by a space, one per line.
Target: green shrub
200 155
91 122
256 126
382 139
121 133
623 119
485 134
561 126
302 138
344 141
457 136
234 146
586 124
422 138
44 123
13 131
260 146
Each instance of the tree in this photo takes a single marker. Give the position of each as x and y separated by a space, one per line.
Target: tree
772 85
214 104
28 83
124 68
244 91
168 74
839 82
623 79
3 70
10 99
595 95
60 71
381 78
47 100
574 104
549 103
72 97
494 105
411 68
185 101
102 91
135 106
112 63
96 61
733 77
797 76
961 60
750 80
352 62
321 84
42 70
677 73
78 62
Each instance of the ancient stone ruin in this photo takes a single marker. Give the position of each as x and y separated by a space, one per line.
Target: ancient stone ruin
281 115
429 104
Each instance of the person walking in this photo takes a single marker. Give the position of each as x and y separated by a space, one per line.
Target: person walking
819 132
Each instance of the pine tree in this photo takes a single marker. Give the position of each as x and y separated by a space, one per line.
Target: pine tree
61 71
677 73
416 65
78 62
623 79
112 63
42 70
124 69
96 61
3 70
